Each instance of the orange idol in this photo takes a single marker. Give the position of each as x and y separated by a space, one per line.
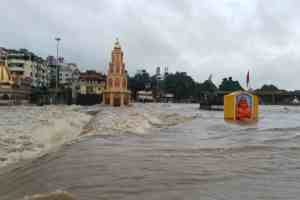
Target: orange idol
241 106
243 109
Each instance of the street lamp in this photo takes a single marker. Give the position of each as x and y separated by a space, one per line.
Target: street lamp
57 62
57 46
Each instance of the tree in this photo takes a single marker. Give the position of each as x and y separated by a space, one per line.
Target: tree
206 92
207 86
140 81
230 85
268 88
179 84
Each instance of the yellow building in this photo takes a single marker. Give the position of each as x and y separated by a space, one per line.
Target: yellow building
241 106
116 92
91 82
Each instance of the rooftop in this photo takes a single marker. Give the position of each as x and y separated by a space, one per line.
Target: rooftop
92 75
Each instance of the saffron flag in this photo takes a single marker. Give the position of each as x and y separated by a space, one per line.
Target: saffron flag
248 79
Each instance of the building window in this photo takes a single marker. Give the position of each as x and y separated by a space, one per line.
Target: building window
89 89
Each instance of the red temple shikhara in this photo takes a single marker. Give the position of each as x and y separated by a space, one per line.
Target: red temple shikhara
116 92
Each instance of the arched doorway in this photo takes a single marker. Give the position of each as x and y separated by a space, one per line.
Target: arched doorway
126 100
117 100
106 100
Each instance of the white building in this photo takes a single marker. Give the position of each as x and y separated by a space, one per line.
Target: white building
145 96
69 77
27 66
68 73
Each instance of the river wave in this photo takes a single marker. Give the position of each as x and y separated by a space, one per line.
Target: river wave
29 131
167 151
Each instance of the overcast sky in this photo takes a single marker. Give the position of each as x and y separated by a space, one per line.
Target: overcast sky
225 38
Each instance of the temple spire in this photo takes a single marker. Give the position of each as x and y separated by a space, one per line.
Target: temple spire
116 92
117 43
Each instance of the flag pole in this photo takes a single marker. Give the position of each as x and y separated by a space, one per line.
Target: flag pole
248 79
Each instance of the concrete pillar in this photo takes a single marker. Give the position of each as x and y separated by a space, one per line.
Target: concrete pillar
103 98
122 99
111 99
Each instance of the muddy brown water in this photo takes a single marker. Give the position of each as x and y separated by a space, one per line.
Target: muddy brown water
205 158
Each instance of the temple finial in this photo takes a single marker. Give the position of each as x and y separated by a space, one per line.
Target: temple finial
117 43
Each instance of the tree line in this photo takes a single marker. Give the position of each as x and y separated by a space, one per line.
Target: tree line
182 85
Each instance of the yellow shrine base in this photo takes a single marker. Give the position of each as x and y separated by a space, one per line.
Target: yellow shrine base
116 92
116 98
241 106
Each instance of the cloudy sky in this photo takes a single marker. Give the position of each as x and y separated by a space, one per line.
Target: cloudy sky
219 37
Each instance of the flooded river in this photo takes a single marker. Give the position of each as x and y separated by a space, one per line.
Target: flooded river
203 158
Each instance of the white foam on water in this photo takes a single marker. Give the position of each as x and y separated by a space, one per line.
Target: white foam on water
57 195
138 118
28 132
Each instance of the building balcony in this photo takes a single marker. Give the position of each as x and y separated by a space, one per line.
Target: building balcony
16 69
17 61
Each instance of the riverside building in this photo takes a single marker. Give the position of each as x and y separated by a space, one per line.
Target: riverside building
27 66
91 82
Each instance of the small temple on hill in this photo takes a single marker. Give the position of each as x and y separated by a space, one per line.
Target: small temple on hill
116 92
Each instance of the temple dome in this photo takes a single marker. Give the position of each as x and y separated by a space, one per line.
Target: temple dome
117 44
5 77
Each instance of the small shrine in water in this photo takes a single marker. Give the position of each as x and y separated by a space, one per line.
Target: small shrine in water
116 92
241 106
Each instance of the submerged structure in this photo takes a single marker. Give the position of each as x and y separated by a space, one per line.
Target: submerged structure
241 106
116 92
